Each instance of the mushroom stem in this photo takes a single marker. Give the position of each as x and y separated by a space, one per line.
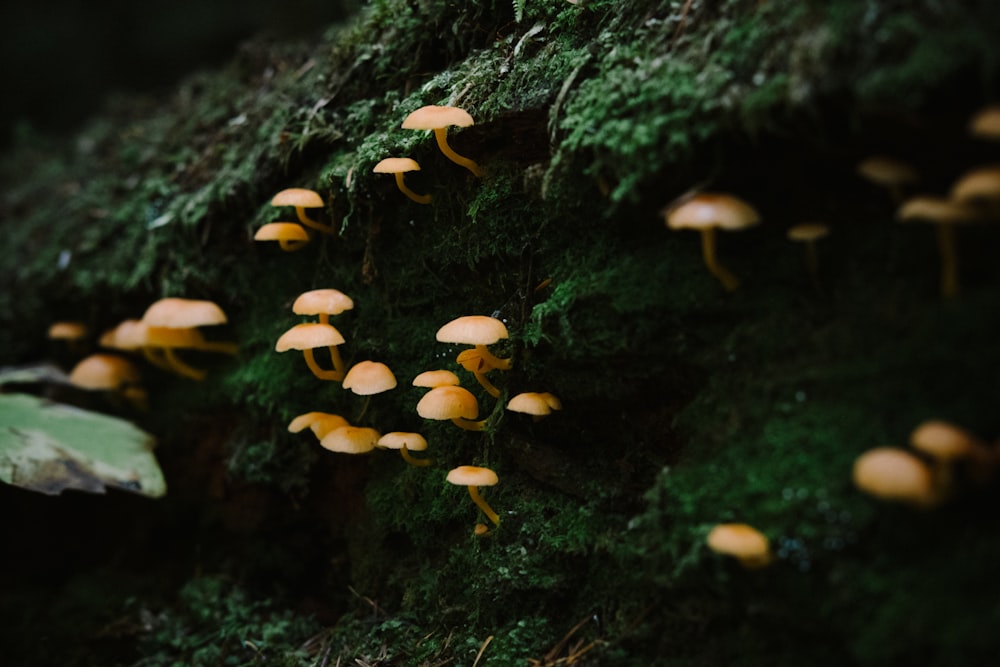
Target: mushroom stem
409 458
154 355
338 361
322 374
309 222
728 280
420 199
468 424
487 510
485 383
949 260
441 134
491 360
180 367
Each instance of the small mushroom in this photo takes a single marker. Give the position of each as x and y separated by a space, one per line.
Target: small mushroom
111 373
536 404
307 336
320 423
436 378
705 213
451 403
289 235
944 214
350 440
896 475
808 233
480 331
367 378
405 442
473 477
399 166
979 187
985 124
948 446
743 542
300 199
323 303
439 119
890 173
171 324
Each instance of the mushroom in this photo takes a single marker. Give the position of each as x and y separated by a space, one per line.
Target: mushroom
743 542
536 404
300 199
705 213
896 475
478 330
808 233
454 403
473 477
74 334
980 186
289 235
320 423
436 378
367 378
171 324
350 440
438 119
405 442
944 214
985 124
948 445
322 303
888 172
399 166
307 336
111 373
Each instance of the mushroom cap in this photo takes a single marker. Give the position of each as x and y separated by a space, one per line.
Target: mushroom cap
396 165
986 123
437 378
742 541
399 439
472 330
298 197
281 231
448 402
887 170
68 331
327 301
808 231
320 423
178 313
350 439
937 210
534 403
434 117
175 337
982 183
710 210
128 335
369 377
472 476
104 371
894 474
943 441
307 336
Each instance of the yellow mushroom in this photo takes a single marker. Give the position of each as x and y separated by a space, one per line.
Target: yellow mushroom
398 166
439 119
473 477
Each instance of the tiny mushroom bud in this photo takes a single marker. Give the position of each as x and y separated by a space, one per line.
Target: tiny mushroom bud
301 199
405 442
896 475
474 477
399 166
744 542
289 235
438 119
453 403
706 212
308 336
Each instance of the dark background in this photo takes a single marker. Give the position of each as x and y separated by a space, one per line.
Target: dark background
61 58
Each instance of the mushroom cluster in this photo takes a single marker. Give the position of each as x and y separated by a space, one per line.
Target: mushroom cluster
310 336
293 236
